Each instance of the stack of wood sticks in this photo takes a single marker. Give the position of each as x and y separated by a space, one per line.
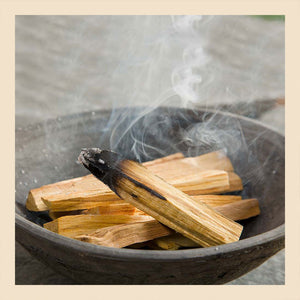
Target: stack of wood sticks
169 203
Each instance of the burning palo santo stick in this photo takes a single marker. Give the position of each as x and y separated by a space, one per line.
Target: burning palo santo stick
170 206
120 236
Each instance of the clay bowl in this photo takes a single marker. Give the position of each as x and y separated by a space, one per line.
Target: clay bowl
47 153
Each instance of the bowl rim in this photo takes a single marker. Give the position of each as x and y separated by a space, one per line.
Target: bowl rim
274 234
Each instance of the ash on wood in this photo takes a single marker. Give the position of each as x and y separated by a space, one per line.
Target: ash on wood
151 194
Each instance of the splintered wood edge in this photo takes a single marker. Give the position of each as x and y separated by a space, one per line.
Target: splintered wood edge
52 226
33 205
235 182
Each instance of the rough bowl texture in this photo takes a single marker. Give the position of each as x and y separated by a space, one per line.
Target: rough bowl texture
47 153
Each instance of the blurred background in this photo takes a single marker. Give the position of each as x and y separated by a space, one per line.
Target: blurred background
73 64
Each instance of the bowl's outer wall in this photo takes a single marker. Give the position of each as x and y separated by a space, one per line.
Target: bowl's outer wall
47 153
217 268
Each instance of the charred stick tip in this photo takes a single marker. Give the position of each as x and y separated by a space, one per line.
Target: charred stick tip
107 166
101 163
87 155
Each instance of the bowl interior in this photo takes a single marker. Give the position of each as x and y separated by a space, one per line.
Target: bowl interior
47 152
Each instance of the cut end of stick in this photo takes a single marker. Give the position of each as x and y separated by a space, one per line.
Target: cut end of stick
33 205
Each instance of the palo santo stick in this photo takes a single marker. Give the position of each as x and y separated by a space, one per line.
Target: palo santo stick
240 210
72 226
206 182
79 200
211 161
234 208
212 181
237 210
94 188
140 187
120 236
216 200
79 184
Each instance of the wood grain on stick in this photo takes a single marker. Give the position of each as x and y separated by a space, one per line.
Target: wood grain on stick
176 210
119 236
163 238
72 226
238 210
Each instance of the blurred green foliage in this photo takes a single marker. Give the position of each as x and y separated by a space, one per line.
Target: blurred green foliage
271 17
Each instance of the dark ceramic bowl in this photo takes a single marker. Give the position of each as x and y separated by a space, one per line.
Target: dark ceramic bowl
46 153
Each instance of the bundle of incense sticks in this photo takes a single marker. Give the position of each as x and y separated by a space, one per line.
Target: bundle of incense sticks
167 203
